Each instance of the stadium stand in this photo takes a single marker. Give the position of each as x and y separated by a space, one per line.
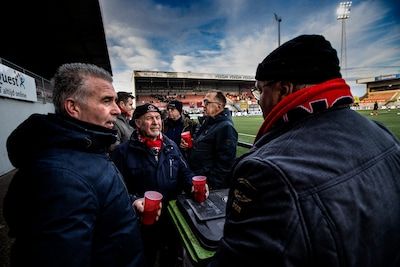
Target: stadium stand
380 97
384 89
190 88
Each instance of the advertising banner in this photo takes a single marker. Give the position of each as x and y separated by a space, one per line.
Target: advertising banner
17 85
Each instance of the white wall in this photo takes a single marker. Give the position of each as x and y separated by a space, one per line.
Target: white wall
12 113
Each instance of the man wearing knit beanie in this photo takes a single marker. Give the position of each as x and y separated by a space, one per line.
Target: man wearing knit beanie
175 124
151 161
316 187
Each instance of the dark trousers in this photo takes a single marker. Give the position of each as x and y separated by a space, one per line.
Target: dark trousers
161 243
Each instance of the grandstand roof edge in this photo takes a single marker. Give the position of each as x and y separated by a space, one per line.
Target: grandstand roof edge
378 78
191 75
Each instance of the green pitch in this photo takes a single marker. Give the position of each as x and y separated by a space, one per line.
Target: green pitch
247 127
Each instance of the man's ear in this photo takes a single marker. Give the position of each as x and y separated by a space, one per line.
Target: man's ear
72 108
121 104
137 123
286 88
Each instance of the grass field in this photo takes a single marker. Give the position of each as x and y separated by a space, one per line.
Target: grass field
247 127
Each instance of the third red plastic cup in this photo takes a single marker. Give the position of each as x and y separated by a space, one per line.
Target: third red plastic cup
188 138
199 184
152 201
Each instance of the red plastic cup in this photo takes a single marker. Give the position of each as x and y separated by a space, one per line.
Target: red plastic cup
188 138
152 201
199 184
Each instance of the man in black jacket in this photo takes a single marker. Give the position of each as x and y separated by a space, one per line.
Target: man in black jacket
214 146
321 185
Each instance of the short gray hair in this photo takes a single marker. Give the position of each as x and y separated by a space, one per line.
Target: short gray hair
219 95
69 81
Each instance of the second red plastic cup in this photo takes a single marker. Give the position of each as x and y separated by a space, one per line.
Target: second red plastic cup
199 184
152 201
188 138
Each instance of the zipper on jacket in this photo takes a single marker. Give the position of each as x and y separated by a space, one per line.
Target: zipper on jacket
170 168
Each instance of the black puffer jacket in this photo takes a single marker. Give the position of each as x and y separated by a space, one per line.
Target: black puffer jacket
324 191
67 204
214 149
169 174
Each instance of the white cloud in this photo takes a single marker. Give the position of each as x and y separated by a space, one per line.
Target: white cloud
122 81
247 33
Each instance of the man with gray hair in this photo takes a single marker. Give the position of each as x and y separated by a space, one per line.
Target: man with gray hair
67 204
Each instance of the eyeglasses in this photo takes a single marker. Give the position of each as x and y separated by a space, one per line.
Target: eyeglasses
206 102
257 91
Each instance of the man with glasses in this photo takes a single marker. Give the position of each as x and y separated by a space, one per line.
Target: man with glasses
321 186
214 146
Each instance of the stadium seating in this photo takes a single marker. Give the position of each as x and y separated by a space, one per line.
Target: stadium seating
380 97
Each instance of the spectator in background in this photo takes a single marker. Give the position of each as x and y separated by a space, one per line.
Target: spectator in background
151 161
176 123
67 205
124 129
375 112
314 190
214 146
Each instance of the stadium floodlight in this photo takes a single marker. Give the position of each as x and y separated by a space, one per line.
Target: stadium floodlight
278 19
343 13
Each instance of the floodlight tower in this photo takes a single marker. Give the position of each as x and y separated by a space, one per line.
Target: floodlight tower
278 19
343 13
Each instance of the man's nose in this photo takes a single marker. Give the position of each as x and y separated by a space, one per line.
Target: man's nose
115 110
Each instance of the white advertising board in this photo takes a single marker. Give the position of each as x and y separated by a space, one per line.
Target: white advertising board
192 75
17 85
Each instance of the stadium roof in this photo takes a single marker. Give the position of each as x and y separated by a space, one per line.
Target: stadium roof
192 75
379 78
41 35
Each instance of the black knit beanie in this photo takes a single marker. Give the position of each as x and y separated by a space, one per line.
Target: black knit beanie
175 104
306 59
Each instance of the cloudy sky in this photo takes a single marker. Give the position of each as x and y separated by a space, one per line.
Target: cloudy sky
233 36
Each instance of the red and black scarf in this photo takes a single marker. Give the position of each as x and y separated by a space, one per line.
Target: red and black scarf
307 101
153 145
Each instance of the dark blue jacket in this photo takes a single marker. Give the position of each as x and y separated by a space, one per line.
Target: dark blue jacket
214 149
324 191
169 175
67 204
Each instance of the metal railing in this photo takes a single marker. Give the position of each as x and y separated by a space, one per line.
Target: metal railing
244 144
